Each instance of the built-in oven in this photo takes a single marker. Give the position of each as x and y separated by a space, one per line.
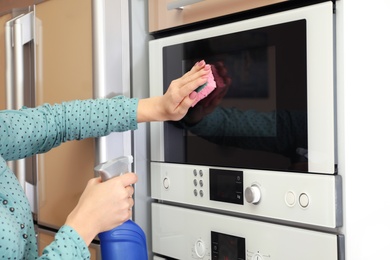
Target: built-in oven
261 147
182 233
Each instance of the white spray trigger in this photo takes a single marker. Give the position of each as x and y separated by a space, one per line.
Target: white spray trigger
114 168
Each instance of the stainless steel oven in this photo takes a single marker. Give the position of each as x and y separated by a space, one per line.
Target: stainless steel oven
262 146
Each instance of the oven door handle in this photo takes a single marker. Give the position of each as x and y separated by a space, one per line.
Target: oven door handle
180 4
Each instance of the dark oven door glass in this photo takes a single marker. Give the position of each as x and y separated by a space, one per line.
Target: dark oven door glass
257 116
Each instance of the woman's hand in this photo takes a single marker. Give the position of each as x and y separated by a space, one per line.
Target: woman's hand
103 206
174 104
207 105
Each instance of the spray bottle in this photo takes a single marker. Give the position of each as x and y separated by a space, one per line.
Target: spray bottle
128 240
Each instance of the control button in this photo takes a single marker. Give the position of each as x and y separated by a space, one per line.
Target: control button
200 173
195 183
195 192
195 172
253 194
166 183
200 248
304 200
201 183
290 198
257 256
201 193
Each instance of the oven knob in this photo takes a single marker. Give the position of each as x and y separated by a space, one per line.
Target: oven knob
200 248
253 194
166 183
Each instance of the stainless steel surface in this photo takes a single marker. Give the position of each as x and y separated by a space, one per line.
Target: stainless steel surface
19 80
111 67
139 38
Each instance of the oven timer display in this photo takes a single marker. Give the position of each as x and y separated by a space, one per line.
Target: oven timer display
227 247
226 186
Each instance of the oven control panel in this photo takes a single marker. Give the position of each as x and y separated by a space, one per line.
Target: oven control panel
312 199
183 233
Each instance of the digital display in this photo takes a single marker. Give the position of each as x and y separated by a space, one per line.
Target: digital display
226 186
227 247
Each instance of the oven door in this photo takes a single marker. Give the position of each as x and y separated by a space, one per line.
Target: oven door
273 108
193 234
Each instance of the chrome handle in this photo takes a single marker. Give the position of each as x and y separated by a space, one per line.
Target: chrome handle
180 4
111 47
23 33
9 65
18 32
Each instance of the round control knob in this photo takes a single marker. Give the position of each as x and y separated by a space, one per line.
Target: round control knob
166 183
253 194
200 248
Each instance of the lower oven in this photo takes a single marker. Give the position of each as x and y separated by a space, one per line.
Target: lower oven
182 233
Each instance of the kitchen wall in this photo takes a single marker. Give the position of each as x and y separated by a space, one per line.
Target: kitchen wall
363 125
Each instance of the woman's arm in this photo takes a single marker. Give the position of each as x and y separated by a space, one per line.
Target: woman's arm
174 104
30 131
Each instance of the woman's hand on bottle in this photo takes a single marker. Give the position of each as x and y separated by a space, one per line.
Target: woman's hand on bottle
103 206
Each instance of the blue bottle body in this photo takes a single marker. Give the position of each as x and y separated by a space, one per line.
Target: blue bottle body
125 242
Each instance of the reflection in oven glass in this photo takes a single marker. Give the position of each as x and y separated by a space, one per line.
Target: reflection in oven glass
257 115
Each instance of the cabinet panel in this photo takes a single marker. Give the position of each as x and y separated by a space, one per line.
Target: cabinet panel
160 17
64 72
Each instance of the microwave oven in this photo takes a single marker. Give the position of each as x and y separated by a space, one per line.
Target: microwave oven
277 111
263 143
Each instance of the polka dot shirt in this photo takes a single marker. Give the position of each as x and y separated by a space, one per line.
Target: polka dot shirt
36 130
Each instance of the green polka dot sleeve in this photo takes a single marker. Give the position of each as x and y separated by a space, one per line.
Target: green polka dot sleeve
67 244
36 130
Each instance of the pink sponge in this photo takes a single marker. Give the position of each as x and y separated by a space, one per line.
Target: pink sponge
206 88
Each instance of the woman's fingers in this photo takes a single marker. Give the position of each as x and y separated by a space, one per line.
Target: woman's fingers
193 79
128 179
189 83
198 66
